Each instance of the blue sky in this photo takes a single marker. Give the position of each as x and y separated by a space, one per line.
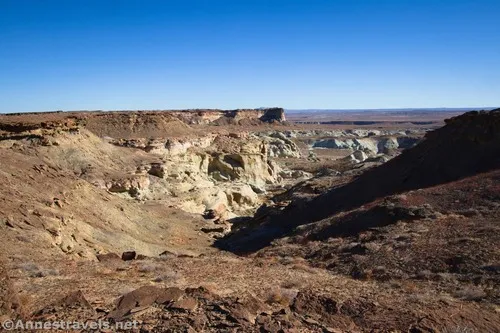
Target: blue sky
87 54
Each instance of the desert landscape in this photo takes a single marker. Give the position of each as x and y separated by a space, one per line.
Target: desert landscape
252 220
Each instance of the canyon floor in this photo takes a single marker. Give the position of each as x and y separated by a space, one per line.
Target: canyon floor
242 221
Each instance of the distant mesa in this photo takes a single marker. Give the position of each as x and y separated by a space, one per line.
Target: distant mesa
139 123
273 114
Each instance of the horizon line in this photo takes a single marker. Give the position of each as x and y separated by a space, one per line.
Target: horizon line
437 109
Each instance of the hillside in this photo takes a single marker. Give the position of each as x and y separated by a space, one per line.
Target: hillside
467 145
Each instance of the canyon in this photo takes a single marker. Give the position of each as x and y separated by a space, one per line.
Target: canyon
214 220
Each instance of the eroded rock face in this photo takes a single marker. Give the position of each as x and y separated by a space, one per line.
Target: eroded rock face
250 168
372 145
279 145
198 178
357 156
180 146
142 124
273 114
221 116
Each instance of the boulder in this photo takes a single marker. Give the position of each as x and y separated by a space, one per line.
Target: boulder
188 304
241 195
359 155
128 255
216 205
295 174
144 297
157 170
132 184
72 307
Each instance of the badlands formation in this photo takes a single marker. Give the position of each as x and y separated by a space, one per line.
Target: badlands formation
225 221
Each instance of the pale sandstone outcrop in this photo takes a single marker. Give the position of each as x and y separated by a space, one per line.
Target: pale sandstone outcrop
357 156
132 184
187 173
371 145
177 146
251 165
198 179
216 205
295 174
241 195
279 145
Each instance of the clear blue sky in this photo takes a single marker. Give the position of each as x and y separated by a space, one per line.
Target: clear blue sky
103 54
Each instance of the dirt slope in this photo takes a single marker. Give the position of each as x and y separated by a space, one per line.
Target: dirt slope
49 198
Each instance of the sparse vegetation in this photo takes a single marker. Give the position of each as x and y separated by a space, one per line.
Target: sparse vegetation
35 271
470 293
281 296
148 267
168 276
460 329
75 161
304 267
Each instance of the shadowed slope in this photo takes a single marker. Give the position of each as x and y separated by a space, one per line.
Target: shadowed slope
466 145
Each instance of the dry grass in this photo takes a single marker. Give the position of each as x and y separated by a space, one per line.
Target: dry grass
293 284
470 293
148 267
304 267
168 276
281 296
34 271
459 329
